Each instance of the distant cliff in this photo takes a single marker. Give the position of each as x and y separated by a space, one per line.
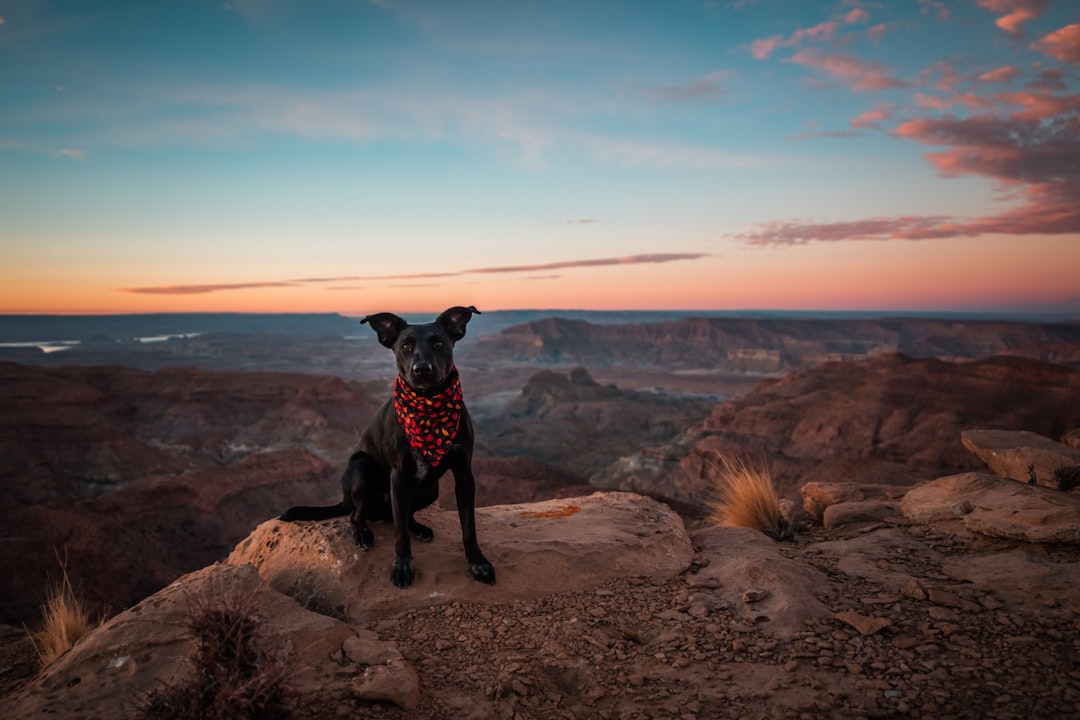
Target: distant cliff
772 346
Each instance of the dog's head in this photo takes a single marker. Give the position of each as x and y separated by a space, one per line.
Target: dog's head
424 353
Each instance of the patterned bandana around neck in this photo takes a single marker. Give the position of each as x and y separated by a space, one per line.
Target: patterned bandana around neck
430 422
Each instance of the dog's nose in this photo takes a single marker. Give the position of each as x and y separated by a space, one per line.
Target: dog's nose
422 368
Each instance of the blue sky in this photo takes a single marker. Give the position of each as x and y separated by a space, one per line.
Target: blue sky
335 155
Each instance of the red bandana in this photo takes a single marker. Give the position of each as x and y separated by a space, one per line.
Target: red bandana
430 422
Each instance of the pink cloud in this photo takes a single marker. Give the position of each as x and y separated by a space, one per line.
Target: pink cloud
1063 44
1001 74
858 15
878 31
822 32
873 118
1030 150
72 153
1014 13
966 99
761 49
1038 106
858 74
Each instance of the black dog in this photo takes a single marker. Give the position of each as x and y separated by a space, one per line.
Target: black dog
422 432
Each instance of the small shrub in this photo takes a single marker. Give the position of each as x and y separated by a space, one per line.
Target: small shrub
1067 477
233 676
64 619
745 497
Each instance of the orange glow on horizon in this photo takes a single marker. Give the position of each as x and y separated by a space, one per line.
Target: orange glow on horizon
953 274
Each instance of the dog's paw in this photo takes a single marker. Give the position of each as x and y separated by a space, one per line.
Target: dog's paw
421 532
483 571
363 537
402 572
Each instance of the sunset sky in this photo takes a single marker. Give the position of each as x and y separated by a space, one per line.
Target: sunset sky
407 155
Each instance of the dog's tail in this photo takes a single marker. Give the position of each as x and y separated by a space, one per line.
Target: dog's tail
306 512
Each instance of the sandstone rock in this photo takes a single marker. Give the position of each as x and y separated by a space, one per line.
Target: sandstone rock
817 496
756 582
999 507
1071 438
396 682
536 549
867 557
367 651
855 512
111 671
1022 577
865 625
1011 453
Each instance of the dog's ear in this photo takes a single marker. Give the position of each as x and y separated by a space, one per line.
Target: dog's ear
387 326
455 319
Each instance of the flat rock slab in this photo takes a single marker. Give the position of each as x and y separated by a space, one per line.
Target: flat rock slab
1011 453
819 496
111 671
997 506
537 549
748 573
1023 578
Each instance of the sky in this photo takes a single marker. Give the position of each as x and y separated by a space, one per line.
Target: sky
361 156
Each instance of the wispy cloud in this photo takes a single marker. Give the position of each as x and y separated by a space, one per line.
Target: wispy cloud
72 153
858 74
1004 74
645 259
709 86
1030 150
1014 13
822 32
652 258
874 118
936 6
200 289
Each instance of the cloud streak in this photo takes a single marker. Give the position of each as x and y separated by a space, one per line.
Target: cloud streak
200 289
645 259
858 74
709 86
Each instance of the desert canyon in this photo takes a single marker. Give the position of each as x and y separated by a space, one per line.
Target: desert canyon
928 464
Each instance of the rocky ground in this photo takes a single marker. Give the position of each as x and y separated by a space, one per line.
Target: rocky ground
635 648
902 615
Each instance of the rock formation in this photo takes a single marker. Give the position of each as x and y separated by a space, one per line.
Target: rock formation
606 608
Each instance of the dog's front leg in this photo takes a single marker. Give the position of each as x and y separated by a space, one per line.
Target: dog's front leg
402 485
465 493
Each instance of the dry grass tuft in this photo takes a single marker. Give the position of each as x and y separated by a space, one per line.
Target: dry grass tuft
234 677
745 497
64 619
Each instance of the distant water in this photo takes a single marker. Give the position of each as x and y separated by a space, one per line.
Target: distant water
52 346
55 333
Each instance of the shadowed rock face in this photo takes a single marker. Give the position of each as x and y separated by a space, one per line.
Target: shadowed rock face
137 477
886 420
575 422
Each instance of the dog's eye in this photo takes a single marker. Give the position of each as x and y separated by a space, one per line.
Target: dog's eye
437 344
406 347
